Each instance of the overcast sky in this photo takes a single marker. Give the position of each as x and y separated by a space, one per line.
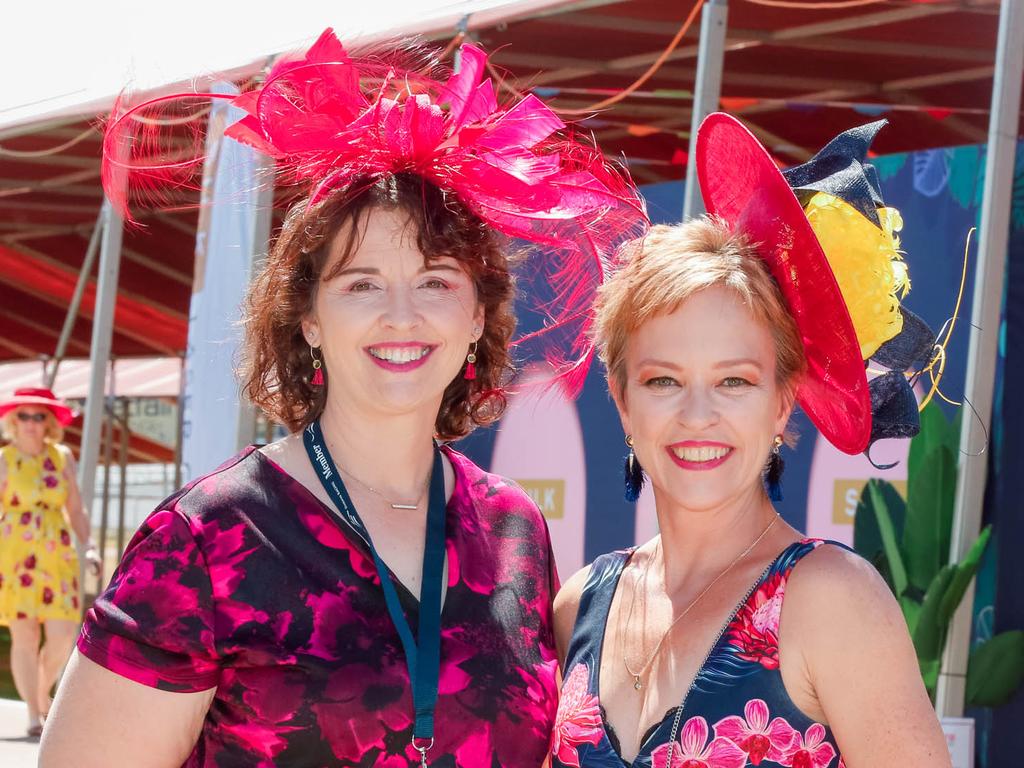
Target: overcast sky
70 52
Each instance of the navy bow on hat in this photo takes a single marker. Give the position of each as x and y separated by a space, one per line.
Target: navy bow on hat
841 169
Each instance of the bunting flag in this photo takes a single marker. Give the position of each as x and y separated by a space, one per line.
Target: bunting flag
871 110
801 106
640 131
672 93
736 103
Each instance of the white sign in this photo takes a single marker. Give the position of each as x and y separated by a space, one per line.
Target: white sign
960 740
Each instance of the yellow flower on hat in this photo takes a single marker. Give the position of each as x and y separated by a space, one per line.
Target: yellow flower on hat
867 264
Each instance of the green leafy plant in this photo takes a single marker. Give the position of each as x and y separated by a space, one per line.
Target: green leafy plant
908 541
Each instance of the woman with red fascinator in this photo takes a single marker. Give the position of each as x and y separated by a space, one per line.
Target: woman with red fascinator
39 508
730 639
358 593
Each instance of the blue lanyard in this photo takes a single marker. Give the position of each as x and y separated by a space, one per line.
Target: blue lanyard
424 657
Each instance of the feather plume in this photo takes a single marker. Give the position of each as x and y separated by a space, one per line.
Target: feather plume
330 120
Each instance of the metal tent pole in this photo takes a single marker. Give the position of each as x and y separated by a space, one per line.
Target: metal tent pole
706 92
108 459
123 462
76 299
102 334
179 438
990 273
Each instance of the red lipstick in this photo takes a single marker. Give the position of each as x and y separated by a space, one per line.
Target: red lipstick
699 466
403 367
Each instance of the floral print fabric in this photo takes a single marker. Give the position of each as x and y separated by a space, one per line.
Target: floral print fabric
738 713
38 562
245 583
578 721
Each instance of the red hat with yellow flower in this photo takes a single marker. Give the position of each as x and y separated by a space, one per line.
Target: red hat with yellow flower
833 248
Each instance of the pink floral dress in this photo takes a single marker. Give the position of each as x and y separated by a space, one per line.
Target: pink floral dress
737 713
244 582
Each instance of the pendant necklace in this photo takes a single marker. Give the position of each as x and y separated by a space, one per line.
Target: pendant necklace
392 504
637 675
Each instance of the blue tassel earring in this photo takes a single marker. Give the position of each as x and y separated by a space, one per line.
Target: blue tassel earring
634 473
773 475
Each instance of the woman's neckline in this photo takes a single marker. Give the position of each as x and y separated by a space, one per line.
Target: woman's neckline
606 727
353 536
42 451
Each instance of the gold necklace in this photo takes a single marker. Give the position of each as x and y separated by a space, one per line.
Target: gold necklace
393 504
638 675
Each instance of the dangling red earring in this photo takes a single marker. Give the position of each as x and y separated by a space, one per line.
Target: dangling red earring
318 374
470 374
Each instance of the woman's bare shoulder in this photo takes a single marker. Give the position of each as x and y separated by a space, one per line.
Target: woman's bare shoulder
843 623
834 574
834 594
282 448
571 591
66 453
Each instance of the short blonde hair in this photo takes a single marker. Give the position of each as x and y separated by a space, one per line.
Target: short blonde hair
9 427
659 271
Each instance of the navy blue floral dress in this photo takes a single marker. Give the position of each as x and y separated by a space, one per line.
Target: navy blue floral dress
736 714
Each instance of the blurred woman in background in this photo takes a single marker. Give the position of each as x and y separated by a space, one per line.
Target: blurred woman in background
39 508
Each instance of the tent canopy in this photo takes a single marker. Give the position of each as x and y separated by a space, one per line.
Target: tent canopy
134 378
796 76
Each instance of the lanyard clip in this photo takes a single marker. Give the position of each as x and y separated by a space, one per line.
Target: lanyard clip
422 749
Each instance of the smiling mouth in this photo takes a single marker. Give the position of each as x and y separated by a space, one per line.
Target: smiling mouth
700 454
699 457
400 355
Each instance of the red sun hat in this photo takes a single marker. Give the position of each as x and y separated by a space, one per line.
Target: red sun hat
39 396
742 184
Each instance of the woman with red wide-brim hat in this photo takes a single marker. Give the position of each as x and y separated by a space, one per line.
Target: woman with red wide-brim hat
39 508
731 639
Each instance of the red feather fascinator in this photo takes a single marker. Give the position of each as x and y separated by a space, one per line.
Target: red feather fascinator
330 121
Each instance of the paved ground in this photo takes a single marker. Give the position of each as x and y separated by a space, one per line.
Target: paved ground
16 751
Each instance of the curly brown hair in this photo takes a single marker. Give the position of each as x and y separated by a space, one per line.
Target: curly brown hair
276 367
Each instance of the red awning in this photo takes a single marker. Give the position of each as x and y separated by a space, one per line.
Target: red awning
52 283
132 377
795 75
141 377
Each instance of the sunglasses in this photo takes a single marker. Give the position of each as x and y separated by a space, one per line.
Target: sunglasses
38 418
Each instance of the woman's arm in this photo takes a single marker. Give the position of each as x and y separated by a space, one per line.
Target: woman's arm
142 679
77 516
101 719
567 603
76 510
857 657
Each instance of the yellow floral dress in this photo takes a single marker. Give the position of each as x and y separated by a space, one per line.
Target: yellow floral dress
38 562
